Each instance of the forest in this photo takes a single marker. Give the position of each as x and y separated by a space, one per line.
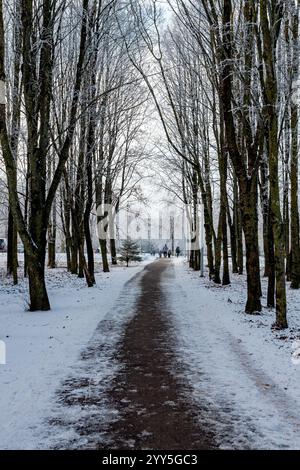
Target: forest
104 103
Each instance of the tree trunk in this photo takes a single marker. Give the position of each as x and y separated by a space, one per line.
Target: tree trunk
233 245
206 197
51 253
223 202
270 34
197 259
222 159
66 221
113 251
74 256
264 197
237 224
218 252
103 249
26 212
89 203
82 262
89 247
12 249
52 246
271 263
81 258
37 288
248 195
226 276
285 196
247 184
68 255
295 245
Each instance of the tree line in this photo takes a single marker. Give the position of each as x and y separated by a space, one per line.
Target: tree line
225 85
223 79
71 116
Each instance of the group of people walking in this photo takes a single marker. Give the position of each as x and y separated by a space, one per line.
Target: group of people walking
166 252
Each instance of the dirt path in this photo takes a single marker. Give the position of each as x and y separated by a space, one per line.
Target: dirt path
126 390
153 413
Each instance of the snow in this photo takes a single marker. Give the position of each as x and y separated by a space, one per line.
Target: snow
245 382
243 376
43 347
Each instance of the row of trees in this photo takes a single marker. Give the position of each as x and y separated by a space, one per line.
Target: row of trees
224 85
72 111
222 76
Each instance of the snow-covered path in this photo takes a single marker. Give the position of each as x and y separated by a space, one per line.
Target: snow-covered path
233 376
43 347
126 391
250 384
240 383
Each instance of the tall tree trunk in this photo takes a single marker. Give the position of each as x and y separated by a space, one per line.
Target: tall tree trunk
12 252
208 212
295 245
196 224
81 258
264 197
233 241
26 210
37 287
270 32
89 177
52 241
218 251
66 221
247 184
12 239
285 195
223 199
74 247
248 194
271 262
237 224
113 251
89 247
103 249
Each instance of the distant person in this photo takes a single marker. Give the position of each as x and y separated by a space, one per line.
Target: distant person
165 250
169 253
178 251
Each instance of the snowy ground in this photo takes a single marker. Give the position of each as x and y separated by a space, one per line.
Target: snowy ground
43 347
241 372
242 368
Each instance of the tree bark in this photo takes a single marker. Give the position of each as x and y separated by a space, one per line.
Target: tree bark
250 227
218 252
295 245
271 262
37 287
270 32
113 251
12 252
237 224
264 197
247 184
